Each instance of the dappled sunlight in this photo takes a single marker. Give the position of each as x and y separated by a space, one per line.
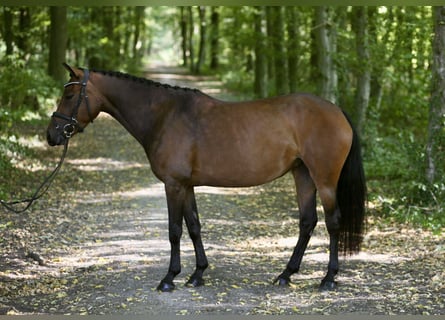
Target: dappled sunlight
158 190
33 142
100 252
227 191
104 164
317 250
155 190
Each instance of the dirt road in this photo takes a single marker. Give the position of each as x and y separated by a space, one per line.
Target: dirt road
102 235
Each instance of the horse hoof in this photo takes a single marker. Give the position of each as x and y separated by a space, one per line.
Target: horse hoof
166 287
328 286
282 282
195 282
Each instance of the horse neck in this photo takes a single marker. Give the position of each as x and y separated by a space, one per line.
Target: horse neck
139 107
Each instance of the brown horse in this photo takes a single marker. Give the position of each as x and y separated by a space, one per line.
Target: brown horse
192 139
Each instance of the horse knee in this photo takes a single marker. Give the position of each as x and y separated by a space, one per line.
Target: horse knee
175 234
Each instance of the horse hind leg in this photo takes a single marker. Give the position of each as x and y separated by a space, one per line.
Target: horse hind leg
306 196
332 217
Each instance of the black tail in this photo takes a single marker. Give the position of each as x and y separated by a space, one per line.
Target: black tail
351 198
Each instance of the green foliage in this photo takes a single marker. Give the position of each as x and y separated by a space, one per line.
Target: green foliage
110 38
420 204
395 168
24 87
239 82
26 91
10 149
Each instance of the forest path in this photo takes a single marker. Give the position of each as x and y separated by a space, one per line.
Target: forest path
102 232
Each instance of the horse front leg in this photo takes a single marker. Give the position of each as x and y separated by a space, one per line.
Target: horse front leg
194 229
175 202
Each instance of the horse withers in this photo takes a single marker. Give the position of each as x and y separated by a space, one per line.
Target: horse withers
192 139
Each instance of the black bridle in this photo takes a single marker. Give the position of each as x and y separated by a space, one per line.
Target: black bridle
69 128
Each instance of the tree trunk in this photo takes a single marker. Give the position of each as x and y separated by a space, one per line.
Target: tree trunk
138 25
377 69
92 57
260 71
24 29
57 43
435 149
202 38
279 51
269 52
190 39
183 25
214 41
292 47
325 36
8 35
360 18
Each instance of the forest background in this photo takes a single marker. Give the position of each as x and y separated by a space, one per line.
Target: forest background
380 64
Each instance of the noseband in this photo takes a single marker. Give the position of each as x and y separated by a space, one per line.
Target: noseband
73 124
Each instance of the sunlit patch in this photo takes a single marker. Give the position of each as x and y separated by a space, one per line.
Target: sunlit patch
32 142
104 164
227 191
106 251
155 190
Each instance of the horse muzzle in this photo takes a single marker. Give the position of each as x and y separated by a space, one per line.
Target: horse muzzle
55 137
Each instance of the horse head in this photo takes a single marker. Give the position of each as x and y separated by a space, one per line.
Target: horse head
79 105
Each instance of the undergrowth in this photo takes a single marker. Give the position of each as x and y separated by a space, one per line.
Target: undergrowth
399 191
26 96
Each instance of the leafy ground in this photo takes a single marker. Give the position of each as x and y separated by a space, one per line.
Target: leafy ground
98 243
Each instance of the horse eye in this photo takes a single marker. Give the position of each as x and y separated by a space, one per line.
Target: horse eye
69 97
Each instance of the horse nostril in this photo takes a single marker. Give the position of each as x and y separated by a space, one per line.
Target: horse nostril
50 139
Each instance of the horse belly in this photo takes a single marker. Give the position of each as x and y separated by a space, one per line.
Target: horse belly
245 163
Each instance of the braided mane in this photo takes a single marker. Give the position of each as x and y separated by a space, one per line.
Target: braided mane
126 76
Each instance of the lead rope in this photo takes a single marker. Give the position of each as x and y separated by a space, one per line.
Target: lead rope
11 205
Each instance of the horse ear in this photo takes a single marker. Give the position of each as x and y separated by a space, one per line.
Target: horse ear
70 70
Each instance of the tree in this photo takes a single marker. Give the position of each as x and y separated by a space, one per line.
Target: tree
326 43
57 43
138 30
277 39
435 149
23 43
292 18
202 38
183 26
7 30
214 39
260 67
190 39
360 25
